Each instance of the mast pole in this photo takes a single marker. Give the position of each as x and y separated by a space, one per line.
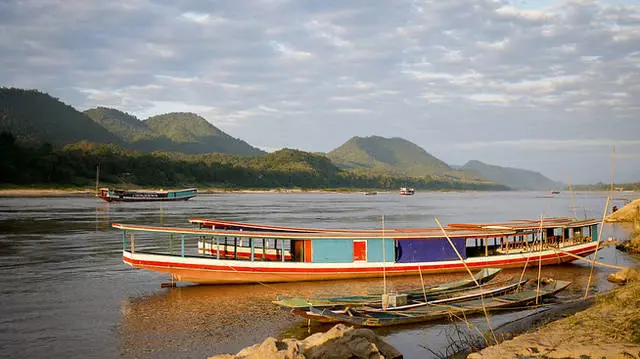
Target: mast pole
573 200
97 177
595 254
384 260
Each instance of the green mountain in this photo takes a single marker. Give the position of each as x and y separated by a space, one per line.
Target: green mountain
514 178
396 156
36 117
388 154
126 126
171 132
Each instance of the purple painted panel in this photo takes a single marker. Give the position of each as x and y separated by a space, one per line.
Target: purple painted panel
429 250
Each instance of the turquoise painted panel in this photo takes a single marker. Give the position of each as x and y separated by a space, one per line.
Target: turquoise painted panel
332 251
594 232
375 253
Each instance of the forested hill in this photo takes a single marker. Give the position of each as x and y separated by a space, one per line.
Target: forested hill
35 117
513 177
173 132
393 155
190 133
76 165
128 127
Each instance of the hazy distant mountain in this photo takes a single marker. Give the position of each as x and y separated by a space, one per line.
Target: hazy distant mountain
388 154
380 155
172 132
37 117
513 177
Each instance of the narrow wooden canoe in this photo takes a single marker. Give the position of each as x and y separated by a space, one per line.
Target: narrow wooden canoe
463 294
482 276
439 311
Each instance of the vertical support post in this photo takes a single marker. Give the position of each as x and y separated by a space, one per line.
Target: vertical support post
275 246
182 245
252 249
124 240
264 249
171 243
217 248
282 250
133 244
486 247
235 247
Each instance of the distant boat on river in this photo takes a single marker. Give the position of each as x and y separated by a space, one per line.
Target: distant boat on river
407 191
120 195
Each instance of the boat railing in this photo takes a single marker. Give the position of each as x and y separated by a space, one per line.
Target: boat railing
207 246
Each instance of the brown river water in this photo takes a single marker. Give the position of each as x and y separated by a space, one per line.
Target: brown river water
66 293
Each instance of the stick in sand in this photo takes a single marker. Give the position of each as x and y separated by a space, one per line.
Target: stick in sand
595 254
484 309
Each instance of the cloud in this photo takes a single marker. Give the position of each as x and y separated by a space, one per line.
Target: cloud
550 145
477 76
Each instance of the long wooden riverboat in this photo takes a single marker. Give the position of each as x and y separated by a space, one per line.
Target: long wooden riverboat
214 256
434 312
121 195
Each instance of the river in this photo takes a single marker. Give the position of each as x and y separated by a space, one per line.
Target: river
66 293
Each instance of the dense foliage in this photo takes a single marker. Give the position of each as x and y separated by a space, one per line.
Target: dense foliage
173 132
76 165
38 118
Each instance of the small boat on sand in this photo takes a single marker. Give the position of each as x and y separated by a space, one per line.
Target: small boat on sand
482 276
383 318
121 195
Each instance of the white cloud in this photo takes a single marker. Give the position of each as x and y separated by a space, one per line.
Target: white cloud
443 73
289 53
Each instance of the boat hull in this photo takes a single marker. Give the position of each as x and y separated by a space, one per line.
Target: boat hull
113 199
204 270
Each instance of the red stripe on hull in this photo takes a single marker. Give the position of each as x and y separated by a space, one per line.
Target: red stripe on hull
111 199
235 272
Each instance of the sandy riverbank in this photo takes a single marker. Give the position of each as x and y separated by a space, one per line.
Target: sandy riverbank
53 192
609 329
39 192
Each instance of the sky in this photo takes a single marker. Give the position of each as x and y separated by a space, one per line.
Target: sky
550 86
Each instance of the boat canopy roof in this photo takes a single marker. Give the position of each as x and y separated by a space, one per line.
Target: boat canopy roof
522 224
423 233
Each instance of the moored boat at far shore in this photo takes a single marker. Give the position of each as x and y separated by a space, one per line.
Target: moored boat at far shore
407 191
121 195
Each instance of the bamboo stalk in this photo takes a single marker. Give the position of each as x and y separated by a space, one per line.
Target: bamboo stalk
573 200
540 258
587 260
424 291
484 308
384 261
595 254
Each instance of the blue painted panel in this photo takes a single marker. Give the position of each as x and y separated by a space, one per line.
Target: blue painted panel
429 250
374 250
332 251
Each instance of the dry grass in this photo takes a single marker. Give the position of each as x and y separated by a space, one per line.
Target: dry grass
610 326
